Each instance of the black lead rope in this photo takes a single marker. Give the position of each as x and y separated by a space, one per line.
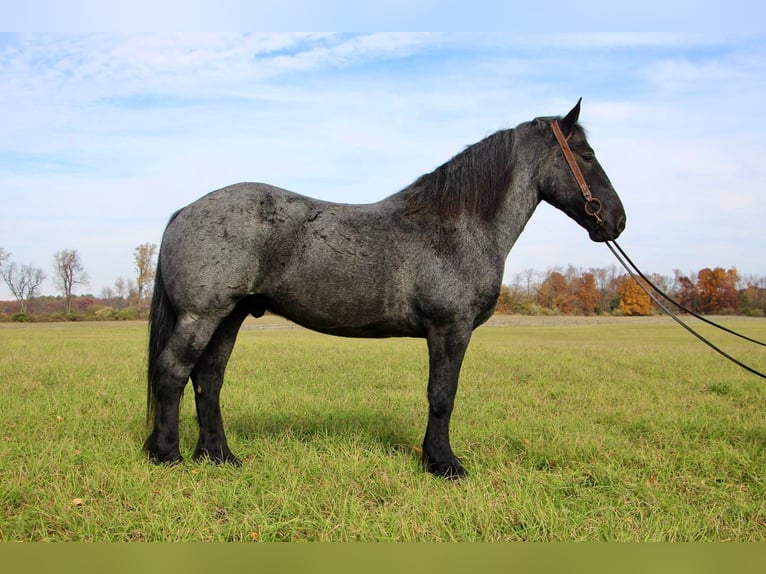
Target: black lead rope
593 209
635 273
679 305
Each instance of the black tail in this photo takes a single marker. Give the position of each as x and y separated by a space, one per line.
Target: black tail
162 321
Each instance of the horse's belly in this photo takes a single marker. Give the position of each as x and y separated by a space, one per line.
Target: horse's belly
374 330
348 312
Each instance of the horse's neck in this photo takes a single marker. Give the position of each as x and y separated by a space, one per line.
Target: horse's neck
517 208
495 224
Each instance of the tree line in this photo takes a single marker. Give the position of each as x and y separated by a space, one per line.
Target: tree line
128 298
560 291
606 290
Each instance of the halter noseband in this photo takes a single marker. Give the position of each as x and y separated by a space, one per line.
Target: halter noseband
592 204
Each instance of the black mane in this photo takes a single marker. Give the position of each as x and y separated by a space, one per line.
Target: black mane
474 181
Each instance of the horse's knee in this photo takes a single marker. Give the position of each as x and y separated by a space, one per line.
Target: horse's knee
441 400
172 372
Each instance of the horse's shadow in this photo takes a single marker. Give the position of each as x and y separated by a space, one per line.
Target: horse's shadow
377 429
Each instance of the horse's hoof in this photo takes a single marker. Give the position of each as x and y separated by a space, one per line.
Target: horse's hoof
167 460
157 455
448 470
203 454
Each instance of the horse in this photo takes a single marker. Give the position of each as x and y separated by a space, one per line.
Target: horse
426 262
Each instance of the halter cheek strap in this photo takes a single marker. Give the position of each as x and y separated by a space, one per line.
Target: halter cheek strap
592 204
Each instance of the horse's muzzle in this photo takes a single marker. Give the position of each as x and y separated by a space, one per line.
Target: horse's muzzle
608 231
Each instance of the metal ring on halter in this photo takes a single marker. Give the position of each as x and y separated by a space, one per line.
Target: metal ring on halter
593 207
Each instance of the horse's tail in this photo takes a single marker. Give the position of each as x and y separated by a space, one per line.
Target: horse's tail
162 321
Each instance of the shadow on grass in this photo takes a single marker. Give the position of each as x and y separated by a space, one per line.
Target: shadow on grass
377 428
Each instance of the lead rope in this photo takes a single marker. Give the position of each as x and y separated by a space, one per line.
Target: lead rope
676 303
593 208
635 275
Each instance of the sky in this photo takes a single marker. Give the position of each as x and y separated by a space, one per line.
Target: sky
104 135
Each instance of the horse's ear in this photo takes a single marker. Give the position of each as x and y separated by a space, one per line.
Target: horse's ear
569 121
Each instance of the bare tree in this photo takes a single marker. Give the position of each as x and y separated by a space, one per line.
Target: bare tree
4 256
132 291
120 290
24 282
69 272
145 267
107 295
529 279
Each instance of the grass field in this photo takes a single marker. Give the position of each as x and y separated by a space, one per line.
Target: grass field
578 430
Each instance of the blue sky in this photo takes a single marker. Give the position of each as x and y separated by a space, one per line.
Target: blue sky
105 135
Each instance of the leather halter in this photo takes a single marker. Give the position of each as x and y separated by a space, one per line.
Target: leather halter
592 204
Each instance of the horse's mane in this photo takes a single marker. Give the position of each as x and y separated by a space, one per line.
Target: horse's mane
474 181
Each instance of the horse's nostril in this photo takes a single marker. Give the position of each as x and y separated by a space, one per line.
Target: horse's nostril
621 224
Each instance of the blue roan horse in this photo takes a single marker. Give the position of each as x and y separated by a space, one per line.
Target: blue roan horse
425 262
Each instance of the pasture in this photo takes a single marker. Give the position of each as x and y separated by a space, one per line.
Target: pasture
579 429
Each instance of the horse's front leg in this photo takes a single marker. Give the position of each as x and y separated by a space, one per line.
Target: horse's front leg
446 348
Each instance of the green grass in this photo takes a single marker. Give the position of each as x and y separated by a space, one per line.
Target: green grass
628 430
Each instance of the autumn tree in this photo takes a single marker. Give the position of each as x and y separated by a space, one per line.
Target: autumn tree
586 295
143 256
607 284
69 271
553 293
717 290
753 296
505 303
633 299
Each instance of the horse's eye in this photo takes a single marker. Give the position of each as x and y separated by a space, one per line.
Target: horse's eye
588 156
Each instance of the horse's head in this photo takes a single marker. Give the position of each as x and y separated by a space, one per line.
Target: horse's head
577 184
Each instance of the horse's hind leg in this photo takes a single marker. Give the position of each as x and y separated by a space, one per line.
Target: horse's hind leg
207 378
182 351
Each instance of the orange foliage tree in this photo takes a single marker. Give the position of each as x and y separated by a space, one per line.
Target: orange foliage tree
717 290
554 294
586 295
633 299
